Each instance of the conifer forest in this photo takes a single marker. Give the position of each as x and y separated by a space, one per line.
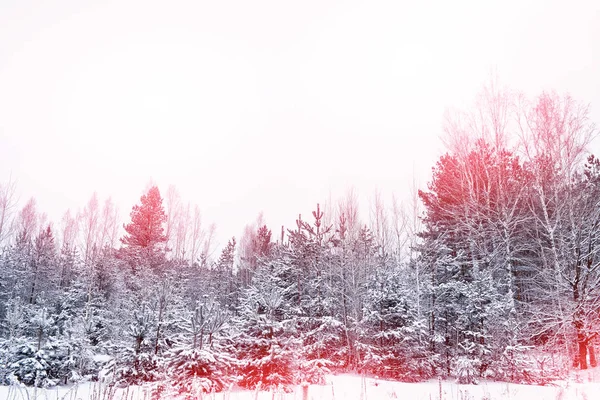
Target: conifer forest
490 271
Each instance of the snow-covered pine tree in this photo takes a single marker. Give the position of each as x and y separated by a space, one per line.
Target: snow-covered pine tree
315 276
265 335
200 358
136 362
396 340
223 283
472 240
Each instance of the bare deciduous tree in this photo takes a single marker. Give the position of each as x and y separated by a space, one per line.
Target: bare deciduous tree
173 210
197 235
8 202
110 225
90 221
555 132
28 221
70 230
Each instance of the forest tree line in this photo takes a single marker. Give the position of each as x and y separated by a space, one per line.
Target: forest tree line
491 272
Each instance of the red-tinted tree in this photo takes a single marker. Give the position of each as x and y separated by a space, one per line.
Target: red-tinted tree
145 238
146 228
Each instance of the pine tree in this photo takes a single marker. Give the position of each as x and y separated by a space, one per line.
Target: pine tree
200 359
394 340
315 279
43 265
255 244
474 242
266 342
223 284
137 363
146 228
145 239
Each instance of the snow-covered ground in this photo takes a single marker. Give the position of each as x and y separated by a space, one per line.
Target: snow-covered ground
582 386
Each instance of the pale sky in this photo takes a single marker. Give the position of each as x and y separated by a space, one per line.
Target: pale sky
250 106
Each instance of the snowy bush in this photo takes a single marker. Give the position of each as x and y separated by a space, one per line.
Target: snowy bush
134 368
314 371
515 365
322 339
138 363
191 370
56 362
467 370
26 364
269 362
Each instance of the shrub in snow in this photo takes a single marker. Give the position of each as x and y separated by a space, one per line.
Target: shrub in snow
314 371
134 368
56 362
548 367
138 363
267 357
400 363
467 370
26 364
515 365
322 338
193 370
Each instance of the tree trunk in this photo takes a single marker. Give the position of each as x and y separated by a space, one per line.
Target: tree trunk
582 354
593 361
40 334
33 284
156 341
158 325
138 344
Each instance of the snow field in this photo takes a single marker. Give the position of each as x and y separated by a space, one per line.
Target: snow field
338 387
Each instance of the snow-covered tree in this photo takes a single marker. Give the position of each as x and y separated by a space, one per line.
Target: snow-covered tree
201 354
266 340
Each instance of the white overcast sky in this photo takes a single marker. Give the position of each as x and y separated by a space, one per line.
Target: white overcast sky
251 106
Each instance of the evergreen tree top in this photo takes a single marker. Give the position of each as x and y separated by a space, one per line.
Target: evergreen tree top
147 219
